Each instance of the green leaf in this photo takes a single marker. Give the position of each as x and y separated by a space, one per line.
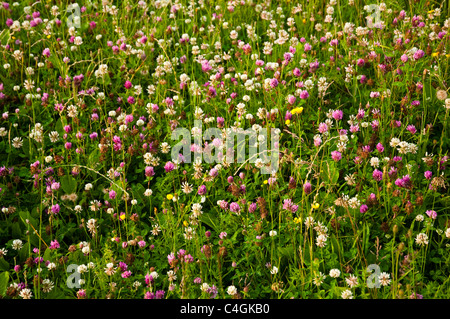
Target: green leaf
209 220
68 184
16 231
24 251
47 254
4 278
4 265
25 215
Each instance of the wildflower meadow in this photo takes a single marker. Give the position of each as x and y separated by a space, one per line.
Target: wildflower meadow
195 149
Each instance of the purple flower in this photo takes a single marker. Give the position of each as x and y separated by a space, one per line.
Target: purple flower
307 187
159 294
380 147
323 127
149 171
291 99
206 66
213 172
149 295
212 291
304 94
404 182
354 128
148 279
169 167
418 54
415 295
46 52
428 174
128 84
129 118
54 244
337 115
55 209
220 122
131 100
431 213
142 243
336 156
411 128
360 62
171 258
201 190
235 208
364 208
377 175
273 83
223 204
334 42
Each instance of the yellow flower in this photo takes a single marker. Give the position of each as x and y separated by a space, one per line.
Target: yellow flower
287 122
265 182
122 217
315 205
185 223
304 21
297 110
169 196
297 220
49 36
434 54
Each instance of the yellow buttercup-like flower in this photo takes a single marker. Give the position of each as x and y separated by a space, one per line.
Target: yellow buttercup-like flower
297 110
315 205
185 223
287 122
169 196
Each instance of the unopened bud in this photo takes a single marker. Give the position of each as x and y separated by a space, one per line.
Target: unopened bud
395 229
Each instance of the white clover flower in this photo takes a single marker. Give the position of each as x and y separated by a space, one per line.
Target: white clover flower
334 273
347 294
274 270
231 290
422 239
17 244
